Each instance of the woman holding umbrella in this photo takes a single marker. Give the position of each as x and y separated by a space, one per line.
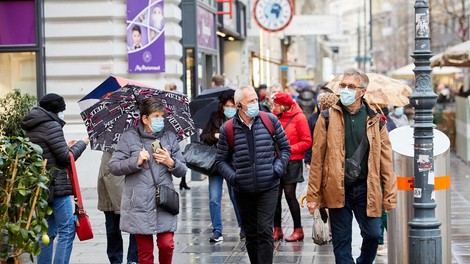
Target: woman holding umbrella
142 167
210 136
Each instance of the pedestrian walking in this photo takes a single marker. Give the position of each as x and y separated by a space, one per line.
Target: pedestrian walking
295 125
250 164
210 136
326 98
109 189
183 184
346 185
43 126
139 212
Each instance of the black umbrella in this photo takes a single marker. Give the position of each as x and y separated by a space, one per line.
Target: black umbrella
107 119
206 103
214 92
204 109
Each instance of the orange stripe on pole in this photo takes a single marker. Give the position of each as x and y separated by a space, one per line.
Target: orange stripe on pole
407 183
442 183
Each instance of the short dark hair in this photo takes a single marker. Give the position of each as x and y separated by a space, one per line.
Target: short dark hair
151 105
136 28
218 80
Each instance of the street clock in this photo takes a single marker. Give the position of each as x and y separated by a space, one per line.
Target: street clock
273 15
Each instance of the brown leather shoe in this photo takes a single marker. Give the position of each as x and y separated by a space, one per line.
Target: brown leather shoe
277 234
297 235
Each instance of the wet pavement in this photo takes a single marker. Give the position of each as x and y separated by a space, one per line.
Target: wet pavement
194 229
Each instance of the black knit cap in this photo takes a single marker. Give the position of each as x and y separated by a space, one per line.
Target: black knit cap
52 102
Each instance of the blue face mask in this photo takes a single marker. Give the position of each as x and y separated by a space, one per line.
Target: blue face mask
61 115
399 111
253 110
158 123
347 96
229 112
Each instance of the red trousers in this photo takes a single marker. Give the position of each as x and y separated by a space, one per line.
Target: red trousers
165 244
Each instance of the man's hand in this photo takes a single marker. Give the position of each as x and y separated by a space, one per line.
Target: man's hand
311 206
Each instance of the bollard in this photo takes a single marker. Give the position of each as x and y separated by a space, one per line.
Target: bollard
398 218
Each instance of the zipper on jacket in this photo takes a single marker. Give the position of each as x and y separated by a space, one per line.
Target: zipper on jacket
254 177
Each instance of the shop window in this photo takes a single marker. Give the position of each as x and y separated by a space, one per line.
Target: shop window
18 72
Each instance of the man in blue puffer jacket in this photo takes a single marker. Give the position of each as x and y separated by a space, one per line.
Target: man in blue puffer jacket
254 170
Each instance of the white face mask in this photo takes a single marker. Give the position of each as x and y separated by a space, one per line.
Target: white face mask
61 115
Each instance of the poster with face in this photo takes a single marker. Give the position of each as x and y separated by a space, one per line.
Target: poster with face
145 36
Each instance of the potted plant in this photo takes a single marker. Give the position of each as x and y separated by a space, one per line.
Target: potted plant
23 179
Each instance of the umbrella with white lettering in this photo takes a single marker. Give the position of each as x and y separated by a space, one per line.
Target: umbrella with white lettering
108 118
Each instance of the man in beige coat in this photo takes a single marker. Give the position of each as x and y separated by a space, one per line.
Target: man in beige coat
336 140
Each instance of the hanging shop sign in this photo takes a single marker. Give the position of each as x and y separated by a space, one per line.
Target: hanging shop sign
273 15
145 36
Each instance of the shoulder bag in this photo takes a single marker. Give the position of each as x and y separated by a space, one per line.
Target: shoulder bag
82 223
200 157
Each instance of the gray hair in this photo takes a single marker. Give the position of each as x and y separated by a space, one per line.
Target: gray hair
238 96
358 74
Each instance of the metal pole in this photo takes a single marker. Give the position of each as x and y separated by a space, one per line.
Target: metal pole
425 241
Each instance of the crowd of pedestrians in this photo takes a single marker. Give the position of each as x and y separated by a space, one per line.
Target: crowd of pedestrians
264 139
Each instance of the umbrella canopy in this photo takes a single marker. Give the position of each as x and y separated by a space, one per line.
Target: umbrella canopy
381 90
111 84
301 84
107 119
458 55
214 92
407 71
206 103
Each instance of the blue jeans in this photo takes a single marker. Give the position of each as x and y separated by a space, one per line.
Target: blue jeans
257 215
341 227
114 247
215 201
61 222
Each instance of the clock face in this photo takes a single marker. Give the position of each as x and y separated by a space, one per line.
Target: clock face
273 15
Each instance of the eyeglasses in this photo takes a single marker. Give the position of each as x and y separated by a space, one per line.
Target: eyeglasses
349 86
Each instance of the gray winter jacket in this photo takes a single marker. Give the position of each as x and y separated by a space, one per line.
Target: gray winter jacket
45 129
139 213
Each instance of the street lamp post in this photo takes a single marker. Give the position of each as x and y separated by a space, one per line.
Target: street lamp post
425 241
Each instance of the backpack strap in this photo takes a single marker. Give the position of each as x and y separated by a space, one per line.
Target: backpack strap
229 132
264 118
268 124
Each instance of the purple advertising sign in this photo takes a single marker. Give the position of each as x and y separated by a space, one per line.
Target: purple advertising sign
17 23
145 36
205 28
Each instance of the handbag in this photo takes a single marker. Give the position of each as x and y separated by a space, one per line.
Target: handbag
82 223
168 199
201 158
321 227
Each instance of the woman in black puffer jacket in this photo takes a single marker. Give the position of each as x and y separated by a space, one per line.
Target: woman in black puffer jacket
43 126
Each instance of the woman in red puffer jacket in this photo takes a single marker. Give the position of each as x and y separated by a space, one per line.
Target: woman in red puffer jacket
296 127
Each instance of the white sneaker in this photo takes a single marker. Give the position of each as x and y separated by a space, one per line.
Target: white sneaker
382 250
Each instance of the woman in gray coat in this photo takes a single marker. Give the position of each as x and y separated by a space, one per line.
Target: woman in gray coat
135 159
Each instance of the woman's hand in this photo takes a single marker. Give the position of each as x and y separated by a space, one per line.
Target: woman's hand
217 135
163 156
143 157
71 143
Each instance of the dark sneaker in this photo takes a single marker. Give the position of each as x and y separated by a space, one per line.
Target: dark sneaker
216 237
242 235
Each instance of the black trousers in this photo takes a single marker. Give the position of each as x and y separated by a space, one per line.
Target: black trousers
114 240
257 215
